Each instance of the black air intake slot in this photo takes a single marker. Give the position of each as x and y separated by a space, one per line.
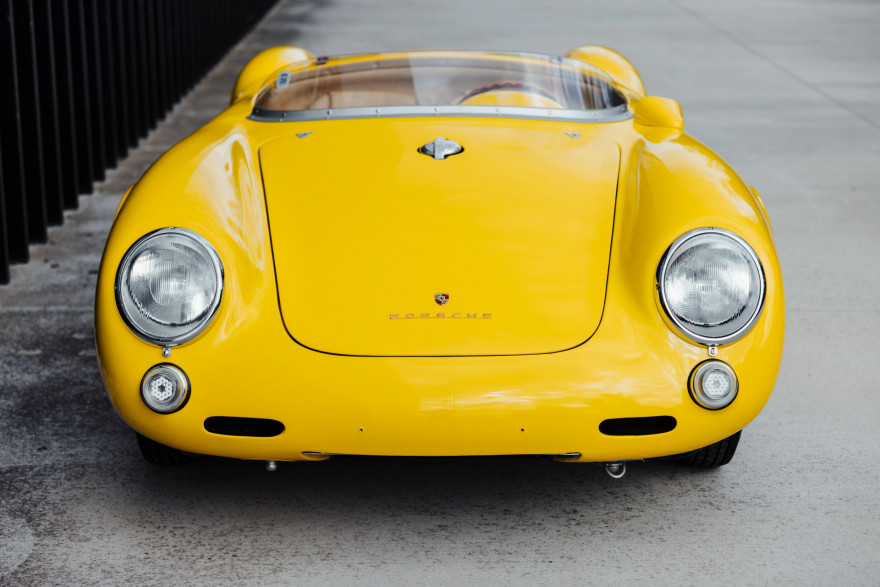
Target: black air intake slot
230 426
637 426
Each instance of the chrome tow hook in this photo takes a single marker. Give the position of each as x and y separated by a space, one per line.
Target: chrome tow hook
615 469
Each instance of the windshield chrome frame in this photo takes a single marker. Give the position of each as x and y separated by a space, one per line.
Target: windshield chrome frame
615 114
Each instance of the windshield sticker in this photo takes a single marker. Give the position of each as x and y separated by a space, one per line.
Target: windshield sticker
283 80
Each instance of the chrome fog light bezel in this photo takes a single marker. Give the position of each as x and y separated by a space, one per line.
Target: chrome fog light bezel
681 325
122 287
181 391
698 394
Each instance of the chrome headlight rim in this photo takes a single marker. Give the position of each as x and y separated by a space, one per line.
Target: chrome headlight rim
680 325
121 286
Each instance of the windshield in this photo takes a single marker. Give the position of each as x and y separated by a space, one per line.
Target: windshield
478 82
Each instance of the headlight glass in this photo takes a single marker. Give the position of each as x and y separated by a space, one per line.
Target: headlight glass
711 285
169 285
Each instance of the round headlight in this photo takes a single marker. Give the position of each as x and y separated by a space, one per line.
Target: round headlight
169 285
711 285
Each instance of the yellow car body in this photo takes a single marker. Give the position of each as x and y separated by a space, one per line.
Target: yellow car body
337 235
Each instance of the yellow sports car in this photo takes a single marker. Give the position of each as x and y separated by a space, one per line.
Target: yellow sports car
440 253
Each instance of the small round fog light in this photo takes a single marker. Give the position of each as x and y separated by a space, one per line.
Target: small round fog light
165 388
713 385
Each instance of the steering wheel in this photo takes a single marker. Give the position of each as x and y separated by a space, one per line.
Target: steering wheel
510 93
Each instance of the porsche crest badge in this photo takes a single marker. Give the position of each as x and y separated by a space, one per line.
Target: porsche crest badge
440 148
441 298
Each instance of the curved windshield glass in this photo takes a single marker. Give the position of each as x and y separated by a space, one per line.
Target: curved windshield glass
457 82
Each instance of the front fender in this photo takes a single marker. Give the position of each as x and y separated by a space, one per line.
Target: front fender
209 183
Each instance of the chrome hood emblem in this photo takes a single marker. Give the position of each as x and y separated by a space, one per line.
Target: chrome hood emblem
441 298
440 148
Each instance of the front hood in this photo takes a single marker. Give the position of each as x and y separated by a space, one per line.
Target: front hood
369 236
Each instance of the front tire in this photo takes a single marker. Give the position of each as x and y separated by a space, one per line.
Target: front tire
714 455
159 454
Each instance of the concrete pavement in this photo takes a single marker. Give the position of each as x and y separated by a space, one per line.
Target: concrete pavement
787 91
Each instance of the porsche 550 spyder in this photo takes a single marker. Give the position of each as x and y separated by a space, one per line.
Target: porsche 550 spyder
440 253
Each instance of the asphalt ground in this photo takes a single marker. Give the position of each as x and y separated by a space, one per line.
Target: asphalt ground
787 91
